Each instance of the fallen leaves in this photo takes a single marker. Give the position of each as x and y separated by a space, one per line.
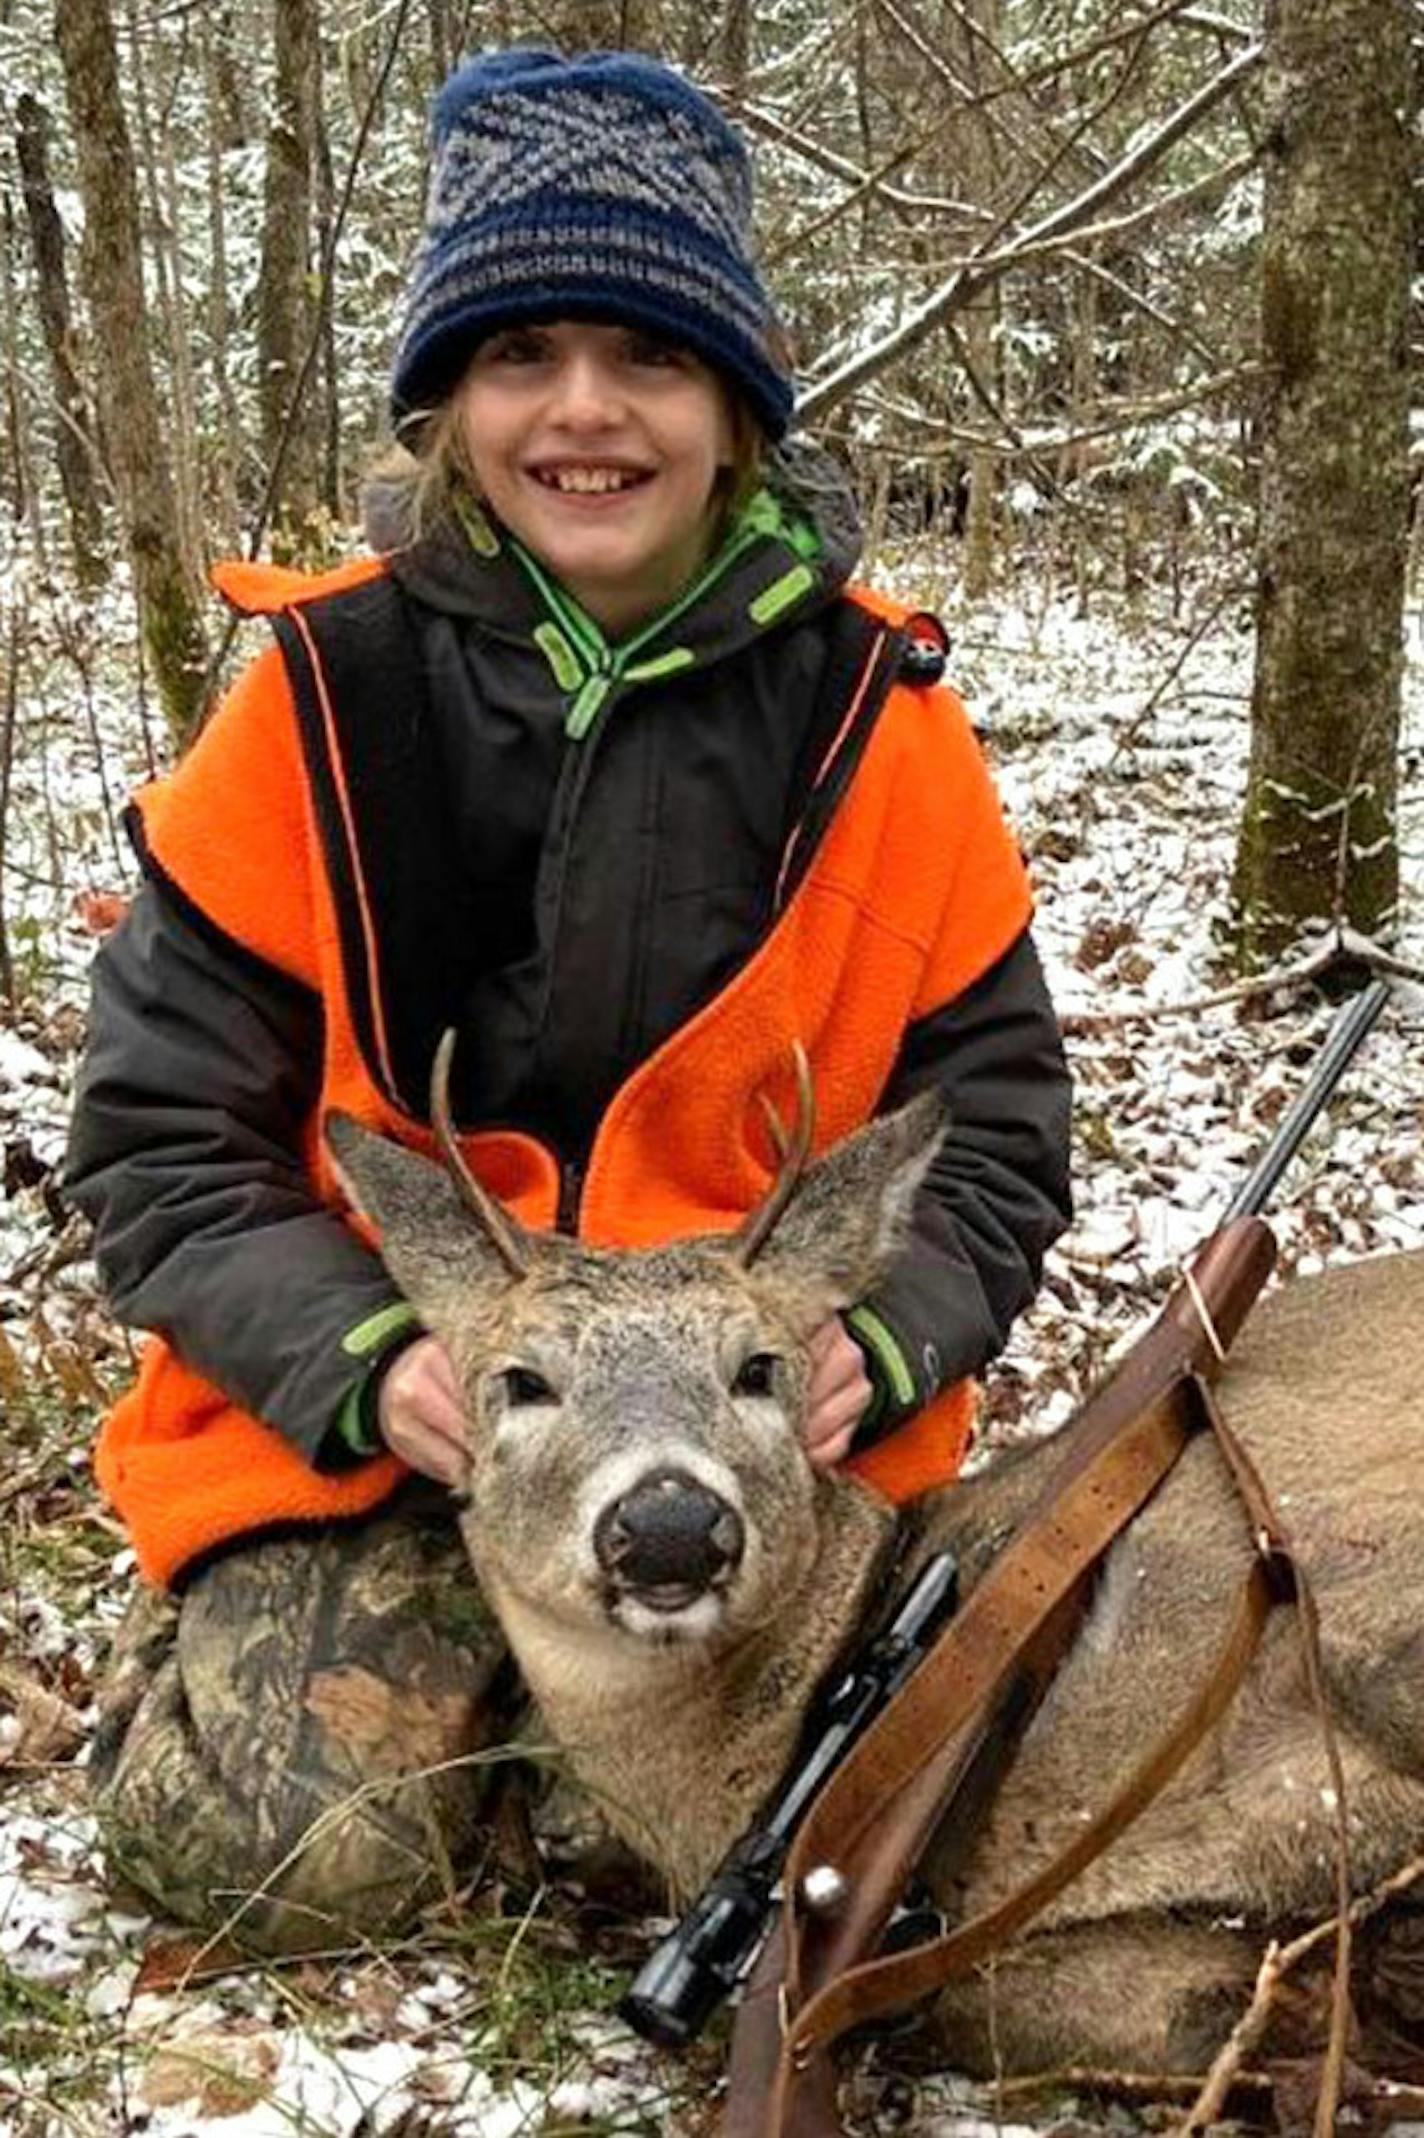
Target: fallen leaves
220 2070
37 1727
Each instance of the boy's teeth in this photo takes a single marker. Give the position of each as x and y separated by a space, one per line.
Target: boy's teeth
590 479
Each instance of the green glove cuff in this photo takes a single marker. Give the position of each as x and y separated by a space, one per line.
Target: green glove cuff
894 1392
354 1433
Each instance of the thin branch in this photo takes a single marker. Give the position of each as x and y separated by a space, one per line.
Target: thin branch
1181 329
776 129
1013 440
328 268
1115 228
1072 218
1200 18
872 182
1276 1964
968 99
1050 69
327 274
1143 2086
1303 973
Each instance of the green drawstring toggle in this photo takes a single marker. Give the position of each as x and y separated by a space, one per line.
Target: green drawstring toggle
584 709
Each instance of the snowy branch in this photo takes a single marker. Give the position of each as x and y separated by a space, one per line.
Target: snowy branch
1070 220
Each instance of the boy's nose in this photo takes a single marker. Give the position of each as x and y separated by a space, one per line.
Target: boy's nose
586 394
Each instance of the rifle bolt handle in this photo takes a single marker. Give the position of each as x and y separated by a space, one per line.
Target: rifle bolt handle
824 1889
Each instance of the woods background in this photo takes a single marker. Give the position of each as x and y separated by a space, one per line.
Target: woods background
1110 312
1109 296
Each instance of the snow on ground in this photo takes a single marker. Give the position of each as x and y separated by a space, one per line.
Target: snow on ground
1120 744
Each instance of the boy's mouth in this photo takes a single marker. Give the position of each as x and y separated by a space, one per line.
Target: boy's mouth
589 479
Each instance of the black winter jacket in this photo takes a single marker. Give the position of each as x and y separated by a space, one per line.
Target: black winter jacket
604 895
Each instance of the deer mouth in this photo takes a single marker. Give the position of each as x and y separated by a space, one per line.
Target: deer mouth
668 1613
665 1597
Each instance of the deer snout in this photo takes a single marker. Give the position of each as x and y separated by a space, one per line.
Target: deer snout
669 1538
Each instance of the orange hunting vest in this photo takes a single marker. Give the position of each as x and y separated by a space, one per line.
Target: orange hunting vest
915 889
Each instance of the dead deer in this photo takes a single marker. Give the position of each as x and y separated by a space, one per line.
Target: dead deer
674 1581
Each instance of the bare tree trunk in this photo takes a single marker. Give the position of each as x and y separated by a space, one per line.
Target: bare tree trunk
330 407
1317 841
24 492
443 46
585 25
982 314
286 311
75 452
639 26
229 115
165 247
1073 462
168 603
9 727
737 47
228 461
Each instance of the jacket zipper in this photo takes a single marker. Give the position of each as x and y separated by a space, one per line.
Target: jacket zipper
571 1180
607 665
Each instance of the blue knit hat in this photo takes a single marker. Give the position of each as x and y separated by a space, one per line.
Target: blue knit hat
602 187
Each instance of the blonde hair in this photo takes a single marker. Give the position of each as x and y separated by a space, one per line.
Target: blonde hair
421 480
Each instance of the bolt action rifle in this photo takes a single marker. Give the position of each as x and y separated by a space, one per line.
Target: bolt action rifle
714 1947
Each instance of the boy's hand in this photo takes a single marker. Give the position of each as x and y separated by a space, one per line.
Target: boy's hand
420 1414
839 1395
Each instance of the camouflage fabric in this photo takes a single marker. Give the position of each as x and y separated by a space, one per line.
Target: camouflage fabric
302 1747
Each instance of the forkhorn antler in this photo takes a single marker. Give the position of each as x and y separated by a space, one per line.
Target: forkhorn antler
504 1234
792 1150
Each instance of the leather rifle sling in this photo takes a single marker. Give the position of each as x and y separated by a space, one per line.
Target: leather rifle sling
876 1813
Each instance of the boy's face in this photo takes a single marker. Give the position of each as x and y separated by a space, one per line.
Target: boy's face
599 447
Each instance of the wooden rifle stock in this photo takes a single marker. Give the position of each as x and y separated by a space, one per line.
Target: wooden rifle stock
961 1713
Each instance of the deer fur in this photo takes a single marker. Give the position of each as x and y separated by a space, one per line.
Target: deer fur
679 1711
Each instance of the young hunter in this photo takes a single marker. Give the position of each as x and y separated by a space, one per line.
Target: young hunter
602 759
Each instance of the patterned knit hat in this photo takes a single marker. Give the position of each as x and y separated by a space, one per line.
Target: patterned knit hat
602 187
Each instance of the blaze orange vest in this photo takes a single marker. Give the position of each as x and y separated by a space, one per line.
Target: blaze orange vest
915 889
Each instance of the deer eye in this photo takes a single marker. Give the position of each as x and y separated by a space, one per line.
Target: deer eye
523 1385
754 1375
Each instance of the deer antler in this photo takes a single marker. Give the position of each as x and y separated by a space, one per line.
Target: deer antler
792 1150
504 1234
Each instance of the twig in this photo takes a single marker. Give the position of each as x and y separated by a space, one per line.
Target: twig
1231 592
1335 950
1060 223
314 345
1277 1962
43 1472
327 274
49 1257
1242 2039
1123 2085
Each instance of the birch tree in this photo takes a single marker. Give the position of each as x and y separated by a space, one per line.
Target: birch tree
1317 842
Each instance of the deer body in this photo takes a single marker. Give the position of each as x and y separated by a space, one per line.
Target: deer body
675 1581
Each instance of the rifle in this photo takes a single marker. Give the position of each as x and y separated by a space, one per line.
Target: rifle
714 1947
679 1987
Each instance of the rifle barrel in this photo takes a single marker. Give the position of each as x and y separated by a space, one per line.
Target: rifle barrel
1353 1022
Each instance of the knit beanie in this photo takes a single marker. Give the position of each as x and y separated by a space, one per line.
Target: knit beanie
602 187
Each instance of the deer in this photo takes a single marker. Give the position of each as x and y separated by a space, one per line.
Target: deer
675 1581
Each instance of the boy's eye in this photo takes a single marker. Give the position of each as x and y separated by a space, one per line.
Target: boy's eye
516 345
653 349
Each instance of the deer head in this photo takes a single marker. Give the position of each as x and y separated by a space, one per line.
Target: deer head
634 1457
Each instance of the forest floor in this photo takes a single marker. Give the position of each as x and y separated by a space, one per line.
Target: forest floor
1119 737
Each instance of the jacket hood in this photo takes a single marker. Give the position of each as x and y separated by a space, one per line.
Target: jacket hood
791 550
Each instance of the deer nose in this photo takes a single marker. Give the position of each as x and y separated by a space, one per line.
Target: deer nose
669 1533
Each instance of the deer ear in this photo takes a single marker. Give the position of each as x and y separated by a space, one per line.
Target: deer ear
430 1242
850 1215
